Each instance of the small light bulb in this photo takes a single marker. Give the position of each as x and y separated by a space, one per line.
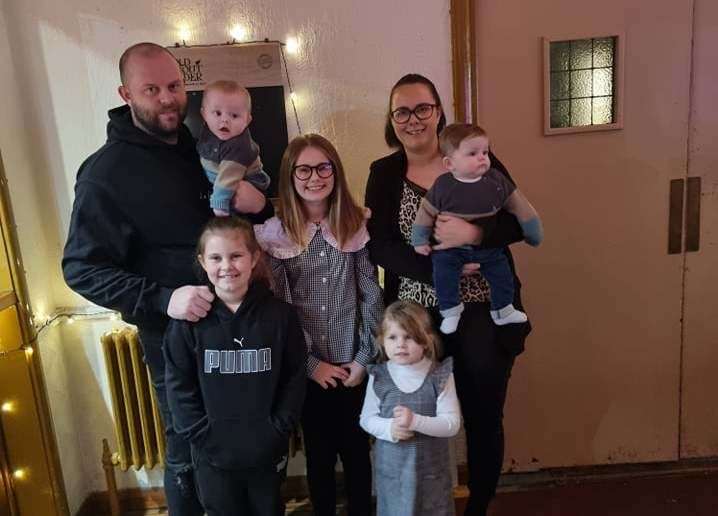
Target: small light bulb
19 474
29 351
70 320
239 32
184 33
8 407
293 45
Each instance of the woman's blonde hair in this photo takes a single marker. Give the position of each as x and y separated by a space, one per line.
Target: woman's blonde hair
416 322
218 225
345 216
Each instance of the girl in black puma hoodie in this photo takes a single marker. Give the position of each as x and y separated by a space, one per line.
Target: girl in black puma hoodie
235 379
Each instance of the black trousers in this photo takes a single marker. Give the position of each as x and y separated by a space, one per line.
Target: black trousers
483 358
179 482
330 424
239 493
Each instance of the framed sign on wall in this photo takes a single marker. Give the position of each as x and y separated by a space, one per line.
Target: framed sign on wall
256 66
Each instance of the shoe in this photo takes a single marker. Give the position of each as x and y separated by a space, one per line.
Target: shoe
508 315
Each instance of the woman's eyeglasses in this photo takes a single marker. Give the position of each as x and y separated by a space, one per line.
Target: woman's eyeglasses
421 112
304 172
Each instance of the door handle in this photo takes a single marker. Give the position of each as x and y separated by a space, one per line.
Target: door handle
675 217
692 187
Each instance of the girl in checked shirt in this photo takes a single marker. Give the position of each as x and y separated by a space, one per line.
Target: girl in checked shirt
320 264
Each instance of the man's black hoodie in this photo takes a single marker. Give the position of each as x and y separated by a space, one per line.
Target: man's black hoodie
140 204
235 381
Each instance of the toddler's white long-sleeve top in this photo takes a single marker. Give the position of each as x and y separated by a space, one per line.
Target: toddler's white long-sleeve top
409 378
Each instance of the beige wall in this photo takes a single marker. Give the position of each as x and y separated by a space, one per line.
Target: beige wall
60 79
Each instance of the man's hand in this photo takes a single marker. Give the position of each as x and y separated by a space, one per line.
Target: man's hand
220 213
423 249
356 374
190 303
452 231
247 199
326 375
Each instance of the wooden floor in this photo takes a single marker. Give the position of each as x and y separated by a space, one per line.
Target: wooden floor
687 495
694 494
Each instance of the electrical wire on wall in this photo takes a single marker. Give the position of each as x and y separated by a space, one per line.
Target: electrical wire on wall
289 85
70 315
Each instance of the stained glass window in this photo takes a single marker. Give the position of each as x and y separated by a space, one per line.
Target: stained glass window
582 80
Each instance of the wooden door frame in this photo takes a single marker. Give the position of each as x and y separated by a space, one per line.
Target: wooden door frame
463 60
8 230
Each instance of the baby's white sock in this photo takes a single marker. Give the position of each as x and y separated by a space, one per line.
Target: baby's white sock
449 324
451 318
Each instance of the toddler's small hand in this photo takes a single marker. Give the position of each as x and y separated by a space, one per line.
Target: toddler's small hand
423 249
403 416
400 433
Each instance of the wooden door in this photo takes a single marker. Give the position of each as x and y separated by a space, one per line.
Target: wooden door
699 382
5 491
599 382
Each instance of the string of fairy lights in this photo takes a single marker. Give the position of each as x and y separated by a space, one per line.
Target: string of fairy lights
241 36
42 321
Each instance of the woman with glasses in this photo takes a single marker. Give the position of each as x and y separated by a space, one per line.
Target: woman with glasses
320 264
483 352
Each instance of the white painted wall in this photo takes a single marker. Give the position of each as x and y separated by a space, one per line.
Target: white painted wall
60 77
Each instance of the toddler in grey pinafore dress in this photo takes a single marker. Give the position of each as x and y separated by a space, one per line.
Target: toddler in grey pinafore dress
413 477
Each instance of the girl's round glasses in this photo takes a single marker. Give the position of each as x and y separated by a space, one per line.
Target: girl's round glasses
304 172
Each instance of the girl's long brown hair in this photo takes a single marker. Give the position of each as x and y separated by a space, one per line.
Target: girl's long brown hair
345 216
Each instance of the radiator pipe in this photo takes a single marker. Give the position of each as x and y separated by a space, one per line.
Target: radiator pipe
109 467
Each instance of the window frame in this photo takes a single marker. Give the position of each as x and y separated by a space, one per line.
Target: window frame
619 53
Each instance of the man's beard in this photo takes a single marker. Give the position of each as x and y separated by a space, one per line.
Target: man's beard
151 122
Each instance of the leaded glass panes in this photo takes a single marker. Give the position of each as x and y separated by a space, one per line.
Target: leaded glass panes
560 113
582 79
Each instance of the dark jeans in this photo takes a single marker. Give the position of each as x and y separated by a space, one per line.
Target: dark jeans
483 357
229 493
330 425
180 489
448 264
